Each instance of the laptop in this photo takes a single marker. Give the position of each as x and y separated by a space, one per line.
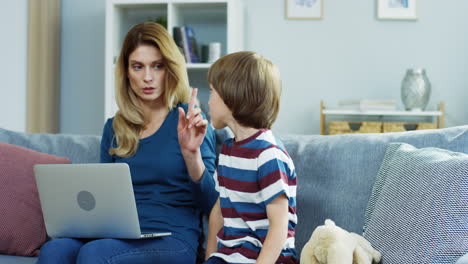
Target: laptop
89 201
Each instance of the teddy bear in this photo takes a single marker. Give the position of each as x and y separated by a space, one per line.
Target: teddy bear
333 245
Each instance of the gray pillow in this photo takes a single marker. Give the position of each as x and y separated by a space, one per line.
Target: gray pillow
418 210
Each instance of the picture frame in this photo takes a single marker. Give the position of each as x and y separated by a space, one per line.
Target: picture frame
396 10
304 9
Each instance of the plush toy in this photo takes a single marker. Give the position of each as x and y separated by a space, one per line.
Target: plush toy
333 245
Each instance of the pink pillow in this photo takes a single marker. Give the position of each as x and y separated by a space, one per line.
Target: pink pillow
22 229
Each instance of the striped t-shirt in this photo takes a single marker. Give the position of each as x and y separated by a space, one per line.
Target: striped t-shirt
250 174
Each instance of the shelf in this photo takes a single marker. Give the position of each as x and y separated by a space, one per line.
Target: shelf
439 115
202 66
212 20
381 113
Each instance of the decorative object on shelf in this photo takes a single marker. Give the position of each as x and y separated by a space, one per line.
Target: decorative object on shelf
415 90
160 20
304 9
214 51
396 9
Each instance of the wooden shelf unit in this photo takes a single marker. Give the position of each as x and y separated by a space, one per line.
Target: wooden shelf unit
341 112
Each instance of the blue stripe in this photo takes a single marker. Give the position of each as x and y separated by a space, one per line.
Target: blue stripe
292 201
237 174
244 231
249 207
242 207
271 166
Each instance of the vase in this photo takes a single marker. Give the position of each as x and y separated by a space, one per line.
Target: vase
415 90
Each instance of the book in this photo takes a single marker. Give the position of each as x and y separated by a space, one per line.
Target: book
177 34
191 44
185 44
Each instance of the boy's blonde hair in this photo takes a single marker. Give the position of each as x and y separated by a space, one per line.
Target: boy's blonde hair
250 86
130 121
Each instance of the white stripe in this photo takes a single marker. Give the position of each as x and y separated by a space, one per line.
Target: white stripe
268 192
236 258
239 241
253 225
235 223
274 153
268 136
238 163
289 243
215 176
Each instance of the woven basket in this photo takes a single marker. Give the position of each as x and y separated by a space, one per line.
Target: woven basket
402 127
349 127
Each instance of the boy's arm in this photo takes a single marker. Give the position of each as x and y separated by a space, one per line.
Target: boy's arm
216 222
277 213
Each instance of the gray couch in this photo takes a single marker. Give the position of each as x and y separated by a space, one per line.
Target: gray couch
335 173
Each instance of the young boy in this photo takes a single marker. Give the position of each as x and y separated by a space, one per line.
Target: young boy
254 217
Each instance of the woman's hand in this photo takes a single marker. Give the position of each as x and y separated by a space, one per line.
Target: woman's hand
191 128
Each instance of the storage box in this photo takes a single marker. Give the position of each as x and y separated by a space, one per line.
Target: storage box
402 127
348 127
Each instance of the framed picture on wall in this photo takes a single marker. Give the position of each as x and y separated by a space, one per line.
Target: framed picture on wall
396 9
304 9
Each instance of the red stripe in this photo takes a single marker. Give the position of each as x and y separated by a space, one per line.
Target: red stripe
292 209
232 213
248 253
247 153
222 236
273 177
253 187
240 186
286 260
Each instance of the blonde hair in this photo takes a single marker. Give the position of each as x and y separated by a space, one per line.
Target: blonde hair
129 121
250 86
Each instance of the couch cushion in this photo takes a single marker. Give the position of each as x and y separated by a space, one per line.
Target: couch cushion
336 173
418 210
22 230
77 148
7 259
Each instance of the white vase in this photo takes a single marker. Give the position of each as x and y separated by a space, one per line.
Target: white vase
415 90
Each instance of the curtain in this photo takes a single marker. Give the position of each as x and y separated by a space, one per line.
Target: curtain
43 83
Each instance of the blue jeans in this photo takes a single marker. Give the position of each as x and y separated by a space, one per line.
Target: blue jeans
164 250
215 260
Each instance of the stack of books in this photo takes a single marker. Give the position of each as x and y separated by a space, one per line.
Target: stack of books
185 39
368 105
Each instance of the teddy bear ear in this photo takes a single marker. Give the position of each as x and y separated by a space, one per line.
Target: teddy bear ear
329 222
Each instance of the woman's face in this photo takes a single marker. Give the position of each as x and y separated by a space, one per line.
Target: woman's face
219 112
146 73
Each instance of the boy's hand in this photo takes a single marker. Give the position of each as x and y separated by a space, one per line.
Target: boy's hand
191 128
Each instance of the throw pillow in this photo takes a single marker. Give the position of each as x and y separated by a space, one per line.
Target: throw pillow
22 229
418 210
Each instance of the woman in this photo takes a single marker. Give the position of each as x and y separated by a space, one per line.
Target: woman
151 133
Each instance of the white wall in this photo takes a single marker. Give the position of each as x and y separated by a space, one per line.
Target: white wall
13 44
352 55
348 54
82 67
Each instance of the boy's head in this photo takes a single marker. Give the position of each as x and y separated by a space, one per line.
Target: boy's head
250 87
